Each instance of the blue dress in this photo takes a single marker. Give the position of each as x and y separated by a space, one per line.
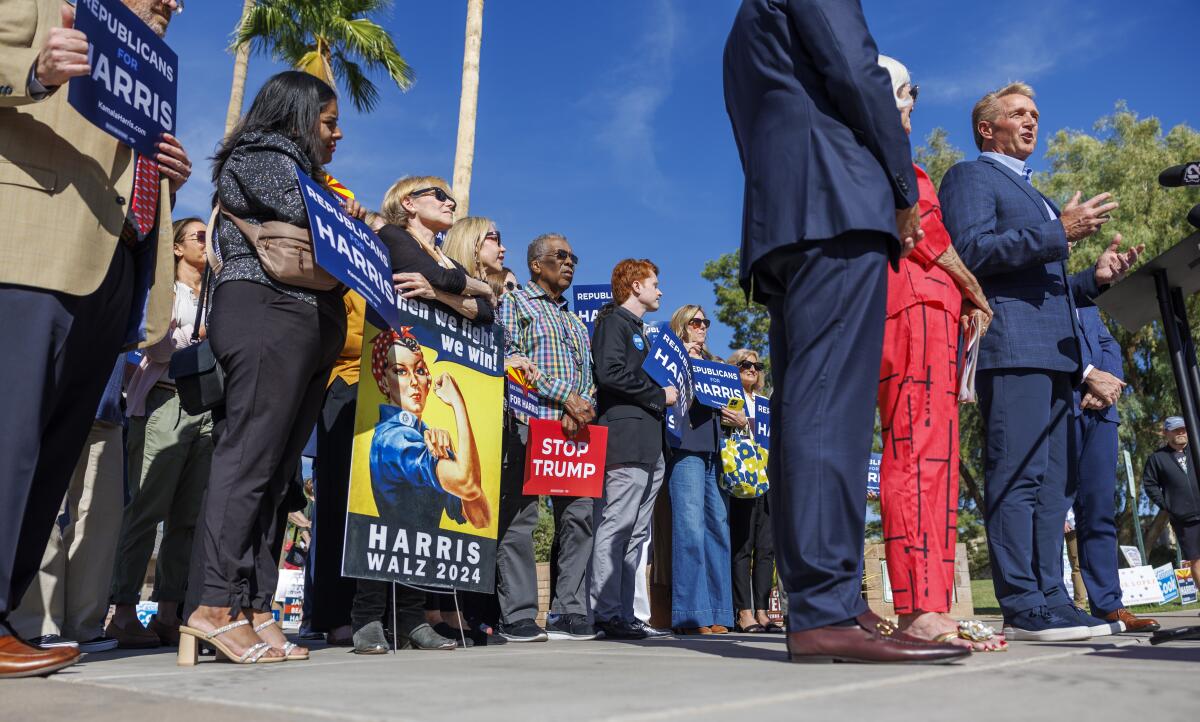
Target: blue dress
404 472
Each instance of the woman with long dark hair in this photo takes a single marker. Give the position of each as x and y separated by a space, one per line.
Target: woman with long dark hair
276 343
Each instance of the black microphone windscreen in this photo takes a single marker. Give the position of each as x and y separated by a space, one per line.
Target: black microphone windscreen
1187 174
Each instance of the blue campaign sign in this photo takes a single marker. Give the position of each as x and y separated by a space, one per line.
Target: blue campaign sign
521 398
131 91
715 383
873 465
667 363
588 302
762 421
349 251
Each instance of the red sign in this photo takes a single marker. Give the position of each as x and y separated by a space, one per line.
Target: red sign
558 466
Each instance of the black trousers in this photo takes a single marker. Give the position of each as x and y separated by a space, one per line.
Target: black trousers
828 302
371 605
332 594
56 354
276 352
753 553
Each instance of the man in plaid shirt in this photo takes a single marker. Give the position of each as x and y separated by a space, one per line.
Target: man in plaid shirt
539 325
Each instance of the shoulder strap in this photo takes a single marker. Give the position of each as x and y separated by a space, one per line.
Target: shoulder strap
210 251
201 304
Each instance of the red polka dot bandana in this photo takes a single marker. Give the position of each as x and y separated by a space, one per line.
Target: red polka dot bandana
380 346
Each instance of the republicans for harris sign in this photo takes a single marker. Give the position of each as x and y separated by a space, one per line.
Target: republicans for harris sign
588 302
346 248
131 92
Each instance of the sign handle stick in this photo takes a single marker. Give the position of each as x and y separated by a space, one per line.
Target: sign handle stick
395 632
1133 505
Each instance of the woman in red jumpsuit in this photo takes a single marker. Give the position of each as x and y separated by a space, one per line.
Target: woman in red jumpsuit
929 297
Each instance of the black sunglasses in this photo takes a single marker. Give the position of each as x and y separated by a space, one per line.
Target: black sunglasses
441 195
510 286
756 365
562 255
700 323
493 236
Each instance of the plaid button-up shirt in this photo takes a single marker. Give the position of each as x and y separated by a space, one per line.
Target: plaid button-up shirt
555 340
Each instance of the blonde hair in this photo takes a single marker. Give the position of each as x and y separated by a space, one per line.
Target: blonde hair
679 325
989 108
392 210
463 241
741 355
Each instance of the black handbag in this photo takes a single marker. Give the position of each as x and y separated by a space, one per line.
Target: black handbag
198 377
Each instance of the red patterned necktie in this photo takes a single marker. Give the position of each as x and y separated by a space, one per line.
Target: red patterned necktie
145 194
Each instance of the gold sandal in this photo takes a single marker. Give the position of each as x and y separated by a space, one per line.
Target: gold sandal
976 632
287 646
190 640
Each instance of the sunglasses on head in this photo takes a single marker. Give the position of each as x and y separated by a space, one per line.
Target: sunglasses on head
700 323
748 364
510 286
562 255
439 194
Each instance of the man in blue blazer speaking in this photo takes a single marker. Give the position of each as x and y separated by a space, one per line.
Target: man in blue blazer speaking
830 195
1016 242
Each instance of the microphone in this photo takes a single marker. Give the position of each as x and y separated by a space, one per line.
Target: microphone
1187 174
1194 216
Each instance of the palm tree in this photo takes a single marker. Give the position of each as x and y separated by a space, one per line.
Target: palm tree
464 155
335 40
241 61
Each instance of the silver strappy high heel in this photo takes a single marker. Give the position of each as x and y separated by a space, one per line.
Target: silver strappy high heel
287 646
191 638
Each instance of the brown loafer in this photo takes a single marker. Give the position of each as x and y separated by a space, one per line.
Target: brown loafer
871 639
693 630
719 629
1132 622
137 637
18 659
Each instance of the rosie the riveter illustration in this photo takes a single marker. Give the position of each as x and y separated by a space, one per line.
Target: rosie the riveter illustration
415 471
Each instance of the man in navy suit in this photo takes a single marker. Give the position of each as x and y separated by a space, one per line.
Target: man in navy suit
1096 482
1016 243
830 195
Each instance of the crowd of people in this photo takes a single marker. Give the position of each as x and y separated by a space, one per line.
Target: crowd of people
82 439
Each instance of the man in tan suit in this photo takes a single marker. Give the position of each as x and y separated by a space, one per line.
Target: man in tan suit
85 271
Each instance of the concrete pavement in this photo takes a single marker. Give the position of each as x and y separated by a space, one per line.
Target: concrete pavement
739 677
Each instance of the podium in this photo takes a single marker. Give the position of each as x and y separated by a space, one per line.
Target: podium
1157 290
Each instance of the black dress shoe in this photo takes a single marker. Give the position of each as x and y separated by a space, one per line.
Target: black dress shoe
870 639
620 629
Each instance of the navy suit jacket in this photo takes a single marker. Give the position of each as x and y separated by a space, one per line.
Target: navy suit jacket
816 125
1000 227
1106 356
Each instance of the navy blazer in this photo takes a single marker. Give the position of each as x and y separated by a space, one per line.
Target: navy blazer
816 125
1000 227
1106 356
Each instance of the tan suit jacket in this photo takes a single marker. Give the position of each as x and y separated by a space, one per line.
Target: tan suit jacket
65 184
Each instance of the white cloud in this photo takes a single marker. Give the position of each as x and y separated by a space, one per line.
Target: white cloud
631 98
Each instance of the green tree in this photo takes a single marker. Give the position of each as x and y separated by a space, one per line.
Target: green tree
748 320
335 40
937 155
1124 155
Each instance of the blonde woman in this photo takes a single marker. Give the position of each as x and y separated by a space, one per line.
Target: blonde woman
750 537
476 244
700 585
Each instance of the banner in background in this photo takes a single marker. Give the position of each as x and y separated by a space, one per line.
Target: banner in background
716 383
521 396
425 471
668 365
346 248
762 421
1139 585
1187 585
588 302
558 466
873 465
1133 557
131 91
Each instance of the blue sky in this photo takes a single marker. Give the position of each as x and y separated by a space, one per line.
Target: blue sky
606 121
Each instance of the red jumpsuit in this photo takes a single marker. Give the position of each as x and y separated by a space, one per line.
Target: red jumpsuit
918 411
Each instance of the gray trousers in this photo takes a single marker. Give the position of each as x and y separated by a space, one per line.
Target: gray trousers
516 569
622 520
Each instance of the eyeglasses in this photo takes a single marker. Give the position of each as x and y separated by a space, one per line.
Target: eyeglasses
700 323
914 91
439 194
562 256
493 236
747 364
198 236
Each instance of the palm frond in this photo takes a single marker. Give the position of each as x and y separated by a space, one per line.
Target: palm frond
363 93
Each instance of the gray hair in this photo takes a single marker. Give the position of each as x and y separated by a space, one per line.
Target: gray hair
540 246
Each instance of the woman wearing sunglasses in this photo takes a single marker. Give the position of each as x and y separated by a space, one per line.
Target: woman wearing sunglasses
700 585
750 537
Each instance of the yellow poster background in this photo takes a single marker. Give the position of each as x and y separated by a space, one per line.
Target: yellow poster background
484 396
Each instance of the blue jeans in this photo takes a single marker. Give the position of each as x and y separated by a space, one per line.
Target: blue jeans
701 593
